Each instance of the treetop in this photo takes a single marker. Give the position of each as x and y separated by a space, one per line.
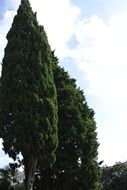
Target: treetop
25 2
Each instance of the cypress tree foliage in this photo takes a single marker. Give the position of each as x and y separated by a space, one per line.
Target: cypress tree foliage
28 94
76 166
90 169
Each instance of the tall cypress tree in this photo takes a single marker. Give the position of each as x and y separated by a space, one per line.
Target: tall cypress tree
76 166
28 94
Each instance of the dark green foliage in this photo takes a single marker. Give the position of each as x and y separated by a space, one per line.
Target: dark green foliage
19 186
6 179
76 166
28 96
90 170
29 112
115 177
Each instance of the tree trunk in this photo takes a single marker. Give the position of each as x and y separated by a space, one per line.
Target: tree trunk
30 164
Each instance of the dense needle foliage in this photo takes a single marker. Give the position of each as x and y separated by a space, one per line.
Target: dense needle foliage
28 93
36 95
76 164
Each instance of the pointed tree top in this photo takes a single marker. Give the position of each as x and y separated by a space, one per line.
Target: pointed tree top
25 1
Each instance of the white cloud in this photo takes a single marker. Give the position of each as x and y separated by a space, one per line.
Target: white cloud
101 54
4 159
5 25
59 19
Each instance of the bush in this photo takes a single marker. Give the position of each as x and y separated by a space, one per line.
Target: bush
19 186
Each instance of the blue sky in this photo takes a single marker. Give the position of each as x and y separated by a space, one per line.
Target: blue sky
90 39
1 9
97 7
102 8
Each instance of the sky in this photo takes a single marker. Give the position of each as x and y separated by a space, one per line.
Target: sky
90 40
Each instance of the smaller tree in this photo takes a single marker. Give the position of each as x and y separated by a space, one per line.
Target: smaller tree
114 177
6 179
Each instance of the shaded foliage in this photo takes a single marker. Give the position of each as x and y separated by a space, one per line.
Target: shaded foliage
76 166
115 177
6 179
19 186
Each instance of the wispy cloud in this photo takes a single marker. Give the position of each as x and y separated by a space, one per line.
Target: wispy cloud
101 54
58 17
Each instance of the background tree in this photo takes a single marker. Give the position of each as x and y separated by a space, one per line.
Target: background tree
114 177
28 94
76 166
6 179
